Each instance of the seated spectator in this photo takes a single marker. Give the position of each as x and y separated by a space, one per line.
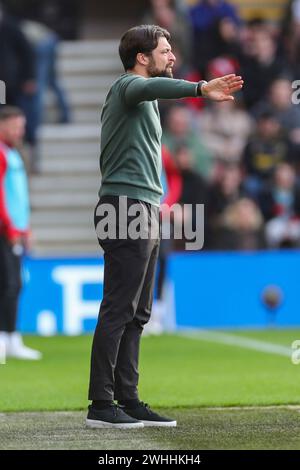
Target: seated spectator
279 102
225 127
261 68
208 31
193 191
264 151
17 60
185 71
248 33
225 190
233 220
280 205
166 14
178 131
241 227
290 35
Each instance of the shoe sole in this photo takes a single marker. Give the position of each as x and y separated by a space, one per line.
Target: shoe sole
160 424
24 358
95 423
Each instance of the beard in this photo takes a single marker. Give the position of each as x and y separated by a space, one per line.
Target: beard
154 71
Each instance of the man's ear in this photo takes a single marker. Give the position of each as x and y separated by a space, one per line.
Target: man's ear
142 59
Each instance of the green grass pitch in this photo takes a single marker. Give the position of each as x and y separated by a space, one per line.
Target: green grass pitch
183 377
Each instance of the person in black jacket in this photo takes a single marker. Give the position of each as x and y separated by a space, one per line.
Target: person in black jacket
265 150
17 60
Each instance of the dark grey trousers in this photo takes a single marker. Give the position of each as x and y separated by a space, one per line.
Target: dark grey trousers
129 274
10 286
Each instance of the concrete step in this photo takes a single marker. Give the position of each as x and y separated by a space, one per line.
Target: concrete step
68 233
77 216
76 167
79 98
63 200
89 66
88 48
50 183
79 114
96 82
65 197
86 115
72 150
69 132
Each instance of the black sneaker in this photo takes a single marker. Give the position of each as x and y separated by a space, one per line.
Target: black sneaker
111 417
148 417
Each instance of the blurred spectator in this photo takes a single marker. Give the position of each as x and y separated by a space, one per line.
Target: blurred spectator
166 14
264 151
279 102
261 68
241 226
183 70
62 16
215 26
291 35
234 221
178 131
14 229
248 34
225 130
221 66
225 127
225 189
280 205
17 61
44 43
173 188
194 191
172 183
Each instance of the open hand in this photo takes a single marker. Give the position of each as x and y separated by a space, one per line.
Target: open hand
221 88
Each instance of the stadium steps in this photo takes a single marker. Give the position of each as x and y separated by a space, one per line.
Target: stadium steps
64 194
86 68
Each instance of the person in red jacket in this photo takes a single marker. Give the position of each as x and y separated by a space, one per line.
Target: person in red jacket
14 229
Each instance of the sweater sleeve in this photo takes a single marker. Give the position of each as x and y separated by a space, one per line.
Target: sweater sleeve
149 89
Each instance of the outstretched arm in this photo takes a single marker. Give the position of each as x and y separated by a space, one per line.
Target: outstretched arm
221 89
149 89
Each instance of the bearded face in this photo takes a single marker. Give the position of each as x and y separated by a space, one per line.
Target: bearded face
154 70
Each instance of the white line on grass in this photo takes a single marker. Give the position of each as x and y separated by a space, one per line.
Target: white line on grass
232 340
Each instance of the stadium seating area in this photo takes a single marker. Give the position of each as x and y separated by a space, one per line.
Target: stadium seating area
241 160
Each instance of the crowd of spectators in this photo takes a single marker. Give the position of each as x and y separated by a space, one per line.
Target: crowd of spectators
241 158
28 51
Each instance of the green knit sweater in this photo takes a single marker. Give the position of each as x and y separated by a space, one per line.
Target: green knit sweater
130 159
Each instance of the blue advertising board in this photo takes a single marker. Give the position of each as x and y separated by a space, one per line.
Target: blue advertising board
63 295
229 289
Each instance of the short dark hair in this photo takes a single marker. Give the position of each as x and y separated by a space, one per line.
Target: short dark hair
7 112
143 39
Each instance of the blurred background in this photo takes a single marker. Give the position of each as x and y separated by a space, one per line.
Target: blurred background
240 159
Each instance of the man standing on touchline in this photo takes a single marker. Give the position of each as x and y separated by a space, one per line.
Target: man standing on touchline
130 164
